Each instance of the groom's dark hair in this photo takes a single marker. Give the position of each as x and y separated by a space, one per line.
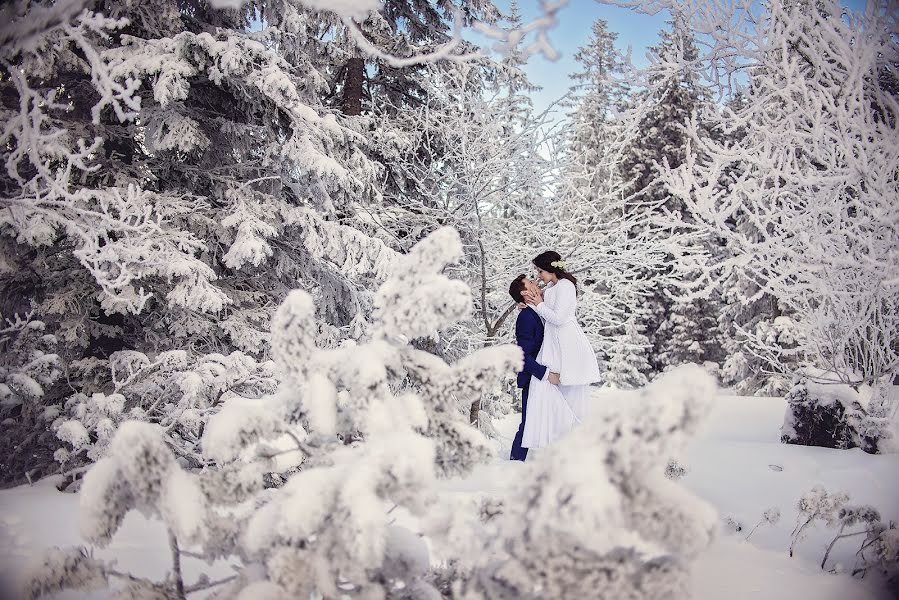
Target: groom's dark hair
516 287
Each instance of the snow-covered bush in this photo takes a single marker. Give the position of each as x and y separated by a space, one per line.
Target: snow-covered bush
879 549
822 411
817 505
328 529
734 525
674 470
596 512
173 390
850 516
29 366
771 516
140 473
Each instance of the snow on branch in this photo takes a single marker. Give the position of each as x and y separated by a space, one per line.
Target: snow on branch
140 473
417 300
598 507
18 31
509 40
351 12
445 51
799 176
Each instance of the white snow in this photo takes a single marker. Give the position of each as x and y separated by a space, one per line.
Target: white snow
737 464
240 419
74 433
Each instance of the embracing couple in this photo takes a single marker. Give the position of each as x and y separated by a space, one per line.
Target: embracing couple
559 363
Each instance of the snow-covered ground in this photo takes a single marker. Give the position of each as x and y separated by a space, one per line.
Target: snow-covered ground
737 464
740 466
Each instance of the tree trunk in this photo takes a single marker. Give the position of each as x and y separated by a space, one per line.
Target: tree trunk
474 413
352 87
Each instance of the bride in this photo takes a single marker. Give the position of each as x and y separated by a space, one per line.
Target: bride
561 400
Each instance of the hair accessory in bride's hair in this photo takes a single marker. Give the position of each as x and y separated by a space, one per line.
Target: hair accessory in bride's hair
559 264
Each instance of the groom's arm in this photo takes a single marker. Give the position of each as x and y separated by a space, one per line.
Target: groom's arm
534 368
527 338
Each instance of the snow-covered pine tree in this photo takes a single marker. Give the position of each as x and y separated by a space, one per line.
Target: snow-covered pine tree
691 333
512 78
619 255
329 529
628 364
171 176
675 94
596 96
815 176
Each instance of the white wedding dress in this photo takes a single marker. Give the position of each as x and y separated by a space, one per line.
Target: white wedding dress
554 409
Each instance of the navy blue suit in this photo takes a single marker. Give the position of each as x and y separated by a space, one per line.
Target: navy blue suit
529 336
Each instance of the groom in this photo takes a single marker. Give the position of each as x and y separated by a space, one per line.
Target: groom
529 336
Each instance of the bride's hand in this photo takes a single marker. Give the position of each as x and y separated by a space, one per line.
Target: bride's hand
533 298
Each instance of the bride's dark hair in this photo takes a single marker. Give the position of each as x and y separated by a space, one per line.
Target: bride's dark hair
544 261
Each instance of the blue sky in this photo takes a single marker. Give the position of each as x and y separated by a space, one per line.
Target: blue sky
575 20
634 30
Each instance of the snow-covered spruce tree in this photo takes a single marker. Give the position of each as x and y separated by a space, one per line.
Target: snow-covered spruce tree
758 334
586 217
29 367
816 177
170 177
690 333
329 529
674 95
597 93
595 516
269 159
628 364
621 256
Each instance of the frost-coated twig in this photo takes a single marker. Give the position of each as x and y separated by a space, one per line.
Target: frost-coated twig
797 532
126 576
177 578
839 536
444 52
751 531
205 585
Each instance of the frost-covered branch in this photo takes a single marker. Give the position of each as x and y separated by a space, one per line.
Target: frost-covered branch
799 179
